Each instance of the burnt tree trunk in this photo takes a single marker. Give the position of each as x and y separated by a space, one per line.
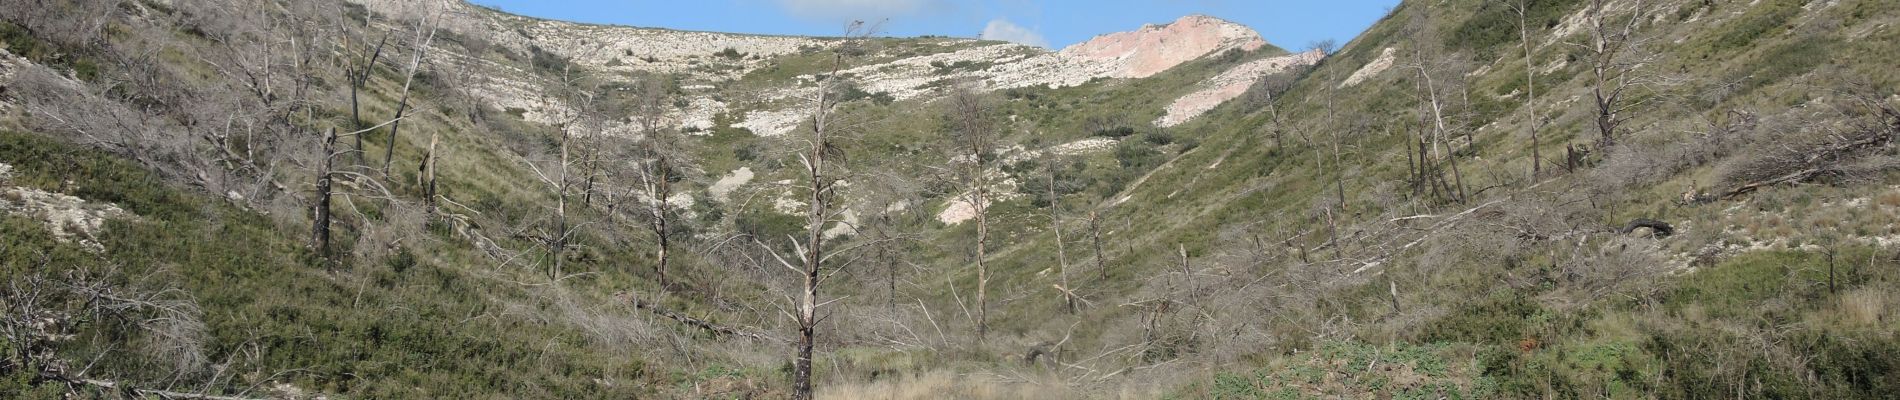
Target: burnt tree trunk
320 213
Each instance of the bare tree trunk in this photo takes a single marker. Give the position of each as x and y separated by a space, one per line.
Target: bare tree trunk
1530 89
389 149
1439 132
973 132
358 78
815 218
1055 223
425 34
1831 288
982 268
428 173
1413 169
1458 178
1339 170
593 171
1095 233
656 166
890 266
320 213
661 219
1187 275
558 245
1395 296
1332 231
1608 45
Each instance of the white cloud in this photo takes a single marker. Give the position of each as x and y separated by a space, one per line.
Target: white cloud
854 9
1001 29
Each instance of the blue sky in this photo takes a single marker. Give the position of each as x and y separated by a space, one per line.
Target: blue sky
1290 24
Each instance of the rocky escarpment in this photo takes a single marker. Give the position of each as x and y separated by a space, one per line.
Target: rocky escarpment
1134 54
1155 48
702 56
709 60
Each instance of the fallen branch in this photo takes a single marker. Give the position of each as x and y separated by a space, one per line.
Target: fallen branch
161 394
1817 160
1442 224
708 326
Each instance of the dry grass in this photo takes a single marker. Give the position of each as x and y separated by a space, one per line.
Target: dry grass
1889 199
947 385
1866 307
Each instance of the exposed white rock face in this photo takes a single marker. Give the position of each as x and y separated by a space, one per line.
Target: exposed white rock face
1231 84
959 208
703 58
722 189
1385 60
1017 154
1135 54
1084 146
696 54
1009 66
70 219
773 123
698 115
614 48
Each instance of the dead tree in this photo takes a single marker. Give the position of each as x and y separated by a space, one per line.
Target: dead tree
1428 65
1055 224
320 214
427 179
1332 122
358 71
424 35
580 97
1616 55
658 164
974 133
1095 239
1532 119
816 159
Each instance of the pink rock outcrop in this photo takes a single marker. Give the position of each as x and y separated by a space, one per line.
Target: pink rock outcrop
1155 48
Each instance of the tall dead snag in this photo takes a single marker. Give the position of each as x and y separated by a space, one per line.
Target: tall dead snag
358 70
424 35
1429 65
1332 124
320 212
658 164
427 179
973 132
1095 239
1055 224
1616 56
1532 120
580 116
326 174
816 160
1187 276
